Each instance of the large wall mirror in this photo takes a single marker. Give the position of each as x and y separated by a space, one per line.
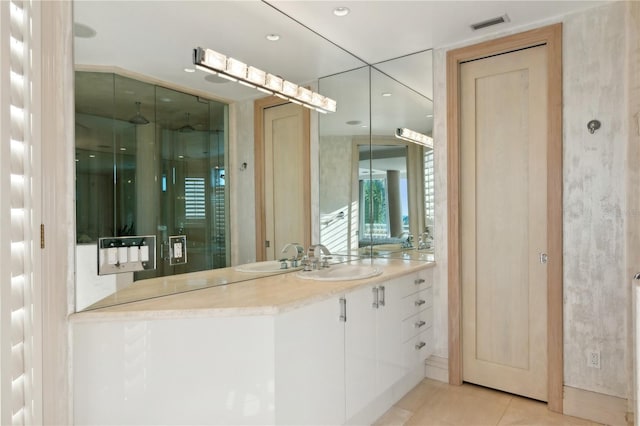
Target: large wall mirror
137 179
376 189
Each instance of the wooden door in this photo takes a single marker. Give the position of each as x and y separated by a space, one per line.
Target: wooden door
503 184
285 179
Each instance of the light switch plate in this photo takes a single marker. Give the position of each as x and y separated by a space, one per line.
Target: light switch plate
126 254
177 249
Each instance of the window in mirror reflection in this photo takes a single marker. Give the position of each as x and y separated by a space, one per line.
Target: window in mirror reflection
150 161
384 197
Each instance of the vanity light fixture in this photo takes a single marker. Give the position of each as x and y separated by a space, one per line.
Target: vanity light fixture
232 69
413 136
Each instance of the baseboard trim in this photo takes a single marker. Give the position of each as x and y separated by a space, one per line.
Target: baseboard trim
597 407
437 368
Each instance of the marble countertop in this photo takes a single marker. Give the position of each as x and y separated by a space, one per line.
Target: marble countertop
199 295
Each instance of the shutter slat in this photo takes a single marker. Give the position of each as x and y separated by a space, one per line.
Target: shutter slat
18 344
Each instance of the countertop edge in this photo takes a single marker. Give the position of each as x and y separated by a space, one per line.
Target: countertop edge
134 313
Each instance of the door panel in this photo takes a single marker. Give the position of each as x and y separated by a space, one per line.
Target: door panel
503 221
284 177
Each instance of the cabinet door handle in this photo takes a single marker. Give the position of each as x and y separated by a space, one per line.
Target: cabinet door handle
376 302
343 309
382 295
420 345
420 302
419 281
419 324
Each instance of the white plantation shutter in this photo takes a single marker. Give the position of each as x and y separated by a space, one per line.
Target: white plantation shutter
20 356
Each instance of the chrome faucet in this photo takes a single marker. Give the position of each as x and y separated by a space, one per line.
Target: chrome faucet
298 253
315 259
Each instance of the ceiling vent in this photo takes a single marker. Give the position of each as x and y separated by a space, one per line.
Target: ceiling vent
490 22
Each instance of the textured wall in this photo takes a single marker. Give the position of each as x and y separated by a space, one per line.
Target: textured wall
633 194
440 293
595 213
594 199
242 184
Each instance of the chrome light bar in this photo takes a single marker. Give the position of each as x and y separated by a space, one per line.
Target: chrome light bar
413 136
218 64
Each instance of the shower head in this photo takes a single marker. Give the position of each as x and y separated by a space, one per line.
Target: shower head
138 118
187 128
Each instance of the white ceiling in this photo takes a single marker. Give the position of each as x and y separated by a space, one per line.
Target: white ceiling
156 39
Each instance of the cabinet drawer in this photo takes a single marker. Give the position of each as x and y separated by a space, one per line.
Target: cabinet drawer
418 349
416 324
415 303
414 283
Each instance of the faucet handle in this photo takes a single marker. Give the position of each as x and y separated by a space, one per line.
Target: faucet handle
325 261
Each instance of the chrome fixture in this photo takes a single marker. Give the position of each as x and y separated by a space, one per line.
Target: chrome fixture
298 254
413 136
313 260
593 125
138 118
187 128
232 69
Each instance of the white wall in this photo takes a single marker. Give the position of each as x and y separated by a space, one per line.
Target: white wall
595 212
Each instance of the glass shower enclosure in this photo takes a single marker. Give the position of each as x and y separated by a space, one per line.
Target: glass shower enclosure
151 161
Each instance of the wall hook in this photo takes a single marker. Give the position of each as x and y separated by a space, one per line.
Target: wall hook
243 166
593 125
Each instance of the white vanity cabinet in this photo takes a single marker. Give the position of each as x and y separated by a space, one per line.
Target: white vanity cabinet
309 365
344 358
373 346
417 321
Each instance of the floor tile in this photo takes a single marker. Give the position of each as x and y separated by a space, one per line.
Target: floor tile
522 411
396 416
433 403
462 405
420 394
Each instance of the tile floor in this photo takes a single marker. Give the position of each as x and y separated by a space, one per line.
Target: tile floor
437 403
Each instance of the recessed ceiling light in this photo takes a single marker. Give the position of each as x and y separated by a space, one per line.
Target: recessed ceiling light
165 99
386 94
341 11
272 37
364 126
92 156
180 156
123 149
189 70
429 115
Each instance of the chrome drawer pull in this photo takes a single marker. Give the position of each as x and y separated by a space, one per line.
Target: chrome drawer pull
420 302
420 345
419 324
419 281
376 299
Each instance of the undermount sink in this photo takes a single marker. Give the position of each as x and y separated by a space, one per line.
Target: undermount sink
262 267
341 272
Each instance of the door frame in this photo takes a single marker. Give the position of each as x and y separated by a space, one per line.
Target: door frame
551 36
259 107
